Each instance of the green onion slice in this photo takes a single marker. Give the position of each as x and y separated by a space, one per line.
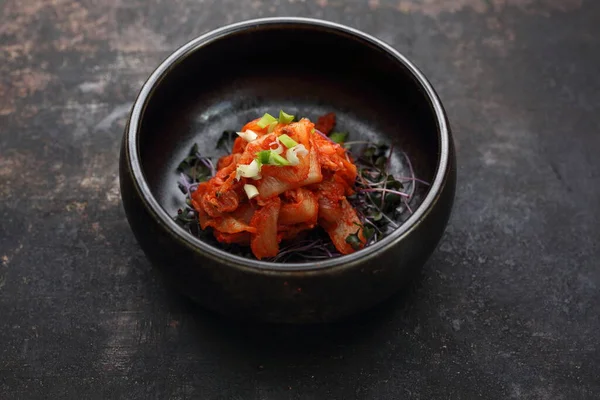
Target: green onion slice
285 118
287 141
276 159
266 120
263 157
269 157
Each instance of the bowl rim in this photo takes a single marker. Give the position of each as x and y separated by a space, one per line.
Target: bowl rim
222 256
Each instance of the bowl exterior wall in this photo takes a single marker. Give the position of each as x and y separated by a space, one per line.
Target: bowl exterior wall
322 295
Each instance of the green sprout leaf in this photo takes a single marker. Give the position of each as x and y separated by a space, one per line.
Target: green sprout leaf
338 137
353 240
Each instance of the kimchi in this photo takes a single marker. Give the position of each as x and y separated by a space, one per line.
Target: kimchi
282 179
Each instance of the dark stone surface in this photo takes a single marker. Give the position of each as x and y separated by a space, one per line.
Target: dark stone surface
508 307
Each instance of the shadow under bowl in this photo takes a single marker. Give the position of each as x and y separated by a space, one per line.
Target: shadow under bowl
306 67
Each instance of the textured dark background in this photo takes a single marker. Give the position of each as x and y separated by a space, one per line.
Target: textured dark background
508 307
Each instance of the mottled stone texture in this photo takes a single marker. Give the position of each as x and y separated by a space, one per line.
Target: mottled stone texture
508 307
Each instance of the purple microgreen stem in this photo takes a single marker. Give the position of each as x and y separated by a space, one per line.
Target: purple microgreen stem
371 190
208 163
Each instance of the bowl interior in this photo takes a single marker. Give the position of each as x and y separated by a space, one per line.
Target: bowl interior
303 69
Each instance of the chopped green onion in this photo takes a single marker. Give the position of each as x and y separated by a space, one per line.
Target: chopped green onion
338 137
276 159
251 170
293 153
278 149
248 135
285 118
251 191
287 141
263 156
269 157
266 120
272 126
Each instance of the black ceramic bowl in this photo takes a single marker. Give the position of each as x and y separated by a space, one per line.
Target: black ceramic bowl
305 67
